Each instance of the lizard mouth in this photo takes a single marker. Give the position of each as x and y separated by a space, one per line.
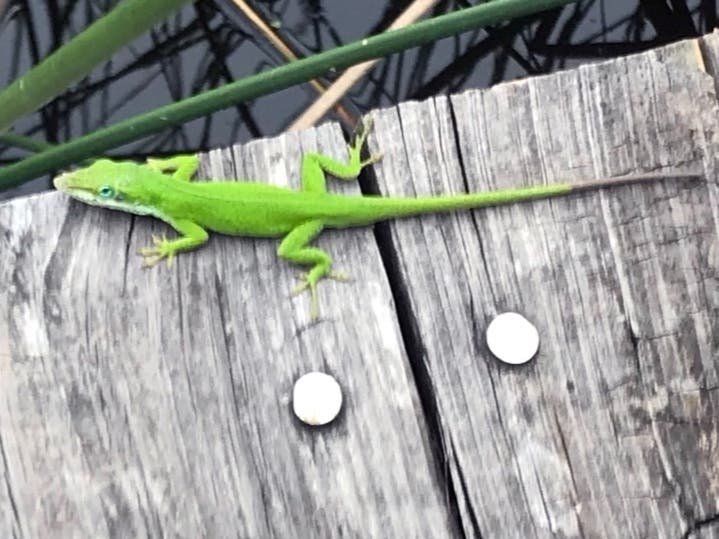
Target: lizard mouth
64 182
61 182
67 183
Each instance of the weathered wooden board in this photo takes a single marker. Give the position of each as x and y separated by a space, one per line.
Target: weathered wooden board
156 403
613 431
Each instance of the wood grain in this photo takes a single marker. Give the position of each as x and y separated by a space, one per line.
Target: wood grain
157 402
613 430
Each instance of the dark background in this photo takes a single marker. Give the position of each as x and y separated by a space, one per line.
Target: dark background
211 42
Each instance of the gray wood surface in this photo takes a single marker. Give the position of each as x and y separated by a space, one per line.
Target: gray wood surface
157 403
149 403
613 431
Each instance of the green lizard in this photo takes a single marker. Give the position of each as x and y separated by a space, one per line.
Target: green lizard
162 188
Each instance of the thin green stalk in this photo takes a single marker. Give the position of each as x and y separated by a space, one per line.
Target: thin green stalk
26 143
30 144
270 81
74 60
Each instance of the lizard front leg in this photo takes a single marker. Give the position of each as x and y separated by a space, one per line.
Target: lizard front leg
184 167
192 236
294 248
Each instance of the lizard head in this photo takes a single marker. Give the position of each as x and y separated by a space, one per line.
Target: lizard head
106 183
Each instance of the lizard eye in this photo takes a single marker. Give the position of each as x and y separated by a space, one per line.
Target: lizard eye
106 191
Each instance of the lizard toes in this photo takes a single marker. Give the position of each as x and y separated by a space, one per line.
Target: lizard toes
150 261
338 276
301 287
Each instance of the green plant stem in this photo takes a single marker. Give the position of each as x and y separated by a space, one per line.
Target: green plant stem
270 81
26 143
74 60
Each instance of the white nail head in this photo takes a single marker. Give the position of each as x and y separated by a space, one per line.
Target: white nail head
512 338
317 398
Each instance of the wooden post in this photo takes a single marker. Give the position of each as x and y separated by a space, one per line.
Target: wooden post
157 402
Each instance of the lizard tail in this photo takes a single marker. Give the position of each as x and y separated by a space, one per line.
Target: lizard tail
371 209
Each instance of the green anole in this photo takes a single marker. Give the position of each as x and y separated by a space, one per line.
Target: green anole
163 189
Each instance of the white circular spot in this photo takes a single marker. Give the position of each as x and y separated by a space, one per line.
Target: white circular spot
317 398
512 338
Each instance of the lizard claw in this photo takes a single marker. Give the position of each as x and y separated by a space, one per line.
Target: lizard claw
372 159
339 276
159 250
365 127
302 285
306 284
355 149
150 259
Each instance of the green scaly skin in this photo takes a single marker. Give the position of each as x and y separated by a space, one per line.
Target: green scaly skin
163 189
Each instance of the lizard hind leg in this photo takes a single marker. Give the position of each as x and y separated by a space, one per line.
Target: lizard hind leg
294 248
315 165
